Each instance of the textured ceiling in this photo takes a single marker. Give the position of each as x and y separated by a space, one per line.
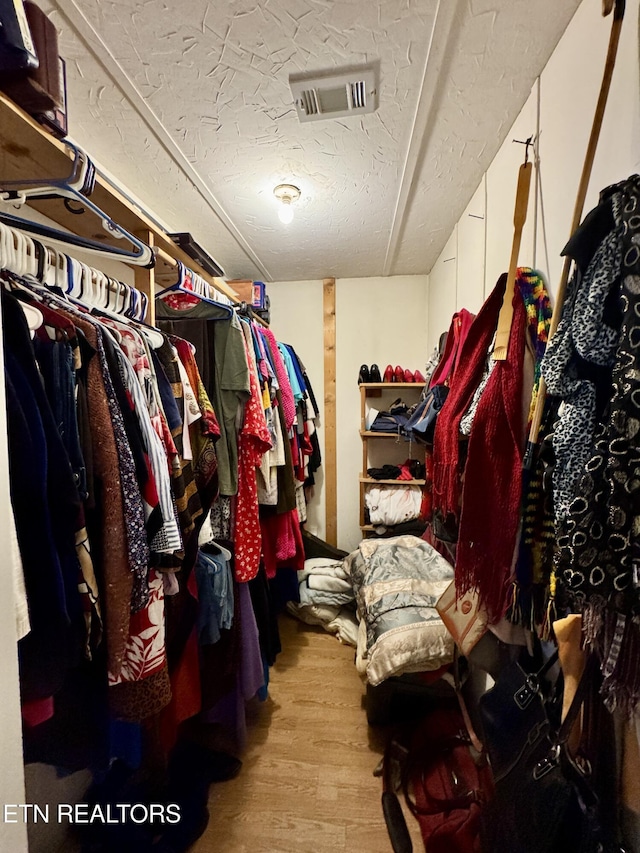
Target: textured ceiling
189 107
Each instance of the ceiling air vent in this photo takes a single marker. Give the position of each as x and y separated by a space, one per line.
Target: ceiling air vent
335 95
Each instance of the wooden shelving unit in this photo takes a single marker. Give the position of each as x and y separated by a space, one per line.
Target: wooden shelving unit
373 390
393 482
29 152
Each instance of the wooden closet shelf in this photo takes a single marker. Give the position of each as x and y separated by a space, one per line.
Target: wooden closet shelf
374 386
27 152
167 270
393 482
370 434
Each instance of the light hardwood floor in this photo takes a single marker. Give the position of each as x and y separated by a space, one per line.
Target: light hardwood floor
307 784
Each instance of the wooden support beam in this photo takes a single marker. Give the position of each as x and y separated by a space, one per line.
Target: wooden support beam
330 432
146 279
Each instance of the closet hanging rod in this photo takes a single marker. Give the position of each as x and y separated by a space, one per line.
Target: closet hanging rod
24 256
66 238
77 186
168 266
191 284
246 310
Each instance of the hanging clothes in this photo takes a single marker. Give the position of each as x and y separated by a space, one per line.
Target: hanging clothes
597 535
477 485
45 502
254 442
220 354
115 436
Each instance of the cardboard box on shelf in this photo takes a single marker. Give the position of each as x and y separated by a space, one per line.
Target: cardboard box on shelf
251 292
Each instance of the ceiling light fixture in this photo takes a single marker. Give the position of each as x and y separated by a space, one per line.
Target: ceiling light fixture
287 194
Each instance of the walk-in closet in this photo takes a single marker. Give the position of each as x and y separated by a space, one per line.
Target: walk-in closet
320 426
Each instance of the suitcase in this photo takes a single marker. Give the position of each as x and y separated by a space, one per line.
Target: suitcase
17 50
39 89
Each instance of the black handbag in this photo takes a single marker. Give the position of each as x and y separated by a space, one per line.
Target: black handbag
544 800
422 423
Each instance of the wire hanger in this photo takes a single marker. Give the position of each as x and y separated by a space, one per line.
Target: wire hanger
194 286
76 187
505 318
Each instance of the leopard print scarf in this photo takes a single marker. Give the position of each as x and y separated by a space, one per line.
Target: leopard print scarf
598 556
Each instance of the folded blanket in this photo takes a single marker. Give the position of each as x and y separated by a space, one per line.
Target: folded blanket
325 581
340 621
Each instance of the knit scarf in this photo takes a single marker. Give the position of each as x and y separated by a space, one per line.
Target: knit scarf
538 309
531 584
465 380
598 541
492 480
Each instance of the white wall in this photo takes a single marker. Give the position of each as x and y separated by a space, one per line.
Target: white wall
560 109
381 321
378 320
296 319
442 299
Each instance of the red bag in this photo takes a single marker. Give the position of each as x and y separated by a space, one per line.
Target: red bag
445 784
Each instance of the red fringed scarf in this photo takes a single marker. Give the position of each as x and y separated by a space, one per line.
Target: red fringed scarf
493 480
465 380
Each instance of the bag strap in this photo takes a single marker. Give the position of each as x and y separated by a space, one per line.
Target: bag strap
395 757
473 737
576 703
559 749
424 759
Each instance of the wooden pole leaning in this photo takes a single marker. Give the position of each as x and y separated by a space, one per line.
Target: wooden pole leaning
583 186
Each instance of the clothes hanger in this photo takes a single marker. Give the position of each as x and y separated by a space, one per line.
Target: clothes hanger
214 548
505 317
195 286
79 283
76 187
19 256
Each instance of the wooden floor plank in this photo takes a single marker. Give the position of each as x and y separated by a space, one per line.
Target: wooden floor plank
307 783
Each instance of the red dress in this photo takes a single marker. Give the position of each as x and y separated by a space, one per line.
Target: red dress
253 442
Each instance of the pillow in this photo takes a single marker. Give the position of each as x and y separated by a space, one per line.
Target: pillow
397 583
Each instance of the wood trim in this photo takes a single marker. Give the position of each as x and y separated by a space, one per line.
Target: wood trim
27 151
145 279
330 429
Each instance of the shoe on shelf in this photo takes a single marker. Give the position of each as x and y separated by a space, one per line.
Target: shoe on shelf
363 376
408 376
398 374
389 375
374 373
418 377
